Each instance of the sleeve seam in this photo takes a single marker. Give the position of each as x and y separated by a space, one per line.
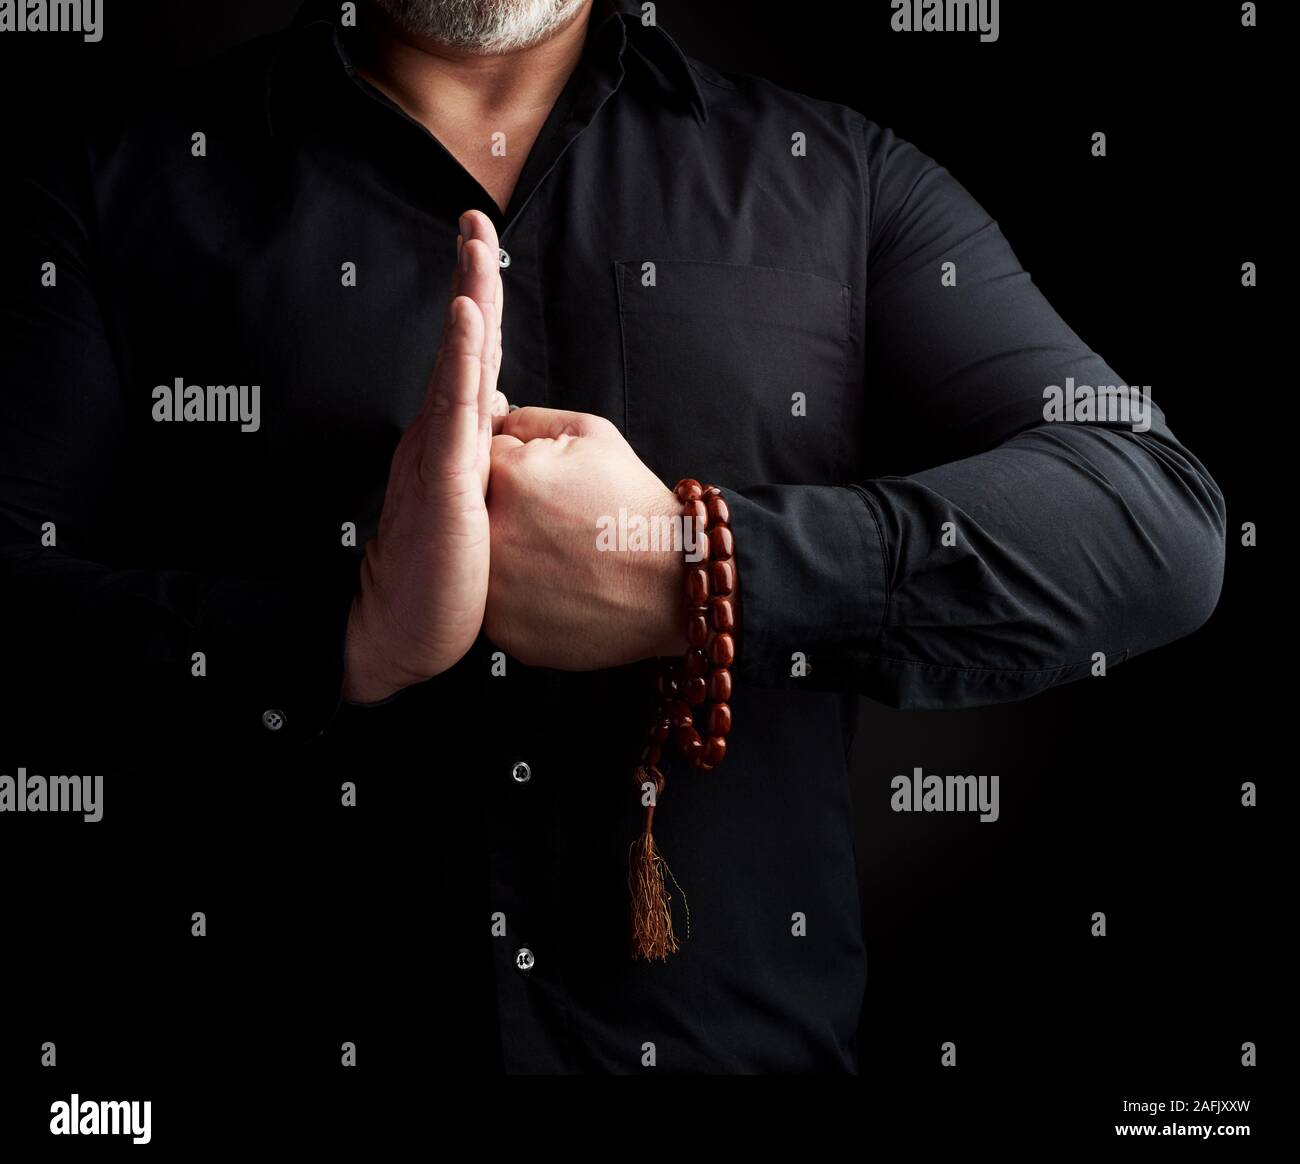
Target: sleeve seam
884 555
1120 657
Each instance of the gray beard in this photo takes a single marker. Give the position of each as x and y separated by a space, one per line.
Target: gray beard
482 26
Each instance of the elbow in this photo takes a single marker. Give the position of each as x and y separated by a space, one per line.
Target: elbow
1194 595
1189 581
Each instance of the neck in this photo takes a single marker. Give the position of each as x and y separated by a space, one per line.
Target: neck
451 89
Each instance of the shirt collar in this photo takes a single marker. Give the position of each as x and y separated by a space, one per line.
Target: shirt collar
663 55
667 70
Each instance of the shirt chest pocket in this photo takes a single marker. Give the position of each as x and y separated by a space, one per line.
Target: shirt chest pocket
735 374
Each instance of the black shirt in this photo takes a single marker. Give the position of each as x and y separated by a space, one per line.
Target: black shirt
908 524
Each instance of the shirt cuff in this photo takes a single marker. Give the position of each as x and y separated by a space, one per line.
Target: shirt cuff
284 681
811 569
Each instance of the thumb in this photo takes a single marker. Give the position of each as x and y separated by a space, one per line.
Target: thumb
532 423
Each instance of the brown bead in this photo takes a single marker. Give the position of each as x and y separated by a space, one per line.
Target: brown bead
720 685
688 739
723 614
712 491
722 651
667 684
719 513
660 732
721 544
700 765
697 586
698 515
697 662
688 489
714 750
695 691
723 577
720 719
697 630
680 714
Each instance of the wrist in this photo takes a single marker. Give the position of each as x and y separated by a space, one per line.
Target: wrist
366 677
666 635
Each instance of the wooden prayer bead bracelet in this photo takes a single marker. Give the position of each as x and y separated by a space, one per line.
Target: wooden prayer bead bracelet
702 678
694 694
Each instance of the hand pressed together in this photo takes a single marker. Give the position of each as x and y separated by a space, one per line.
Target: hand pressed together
499 533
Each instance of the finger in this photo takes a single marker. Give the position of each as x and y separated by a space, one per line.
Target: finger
531 423
500 410
452 399
479 280
478 277
476 224
499 446
455 270
504 444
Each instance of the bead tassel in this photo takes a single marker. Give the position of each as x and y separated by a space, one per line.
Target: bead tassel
702 677
653 938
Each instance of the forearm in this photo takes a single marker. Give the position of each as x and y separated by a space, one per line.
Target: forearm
166 661
985 580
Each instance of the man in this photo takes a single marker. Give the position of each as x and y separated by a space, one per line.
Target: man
376 572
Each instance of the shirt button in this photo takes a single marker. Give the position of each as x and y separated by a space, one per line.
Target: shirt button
521 773
503 257
272 719
524 960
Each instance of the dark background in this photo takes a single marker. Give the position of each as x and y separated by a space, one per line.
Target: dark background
1119 794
